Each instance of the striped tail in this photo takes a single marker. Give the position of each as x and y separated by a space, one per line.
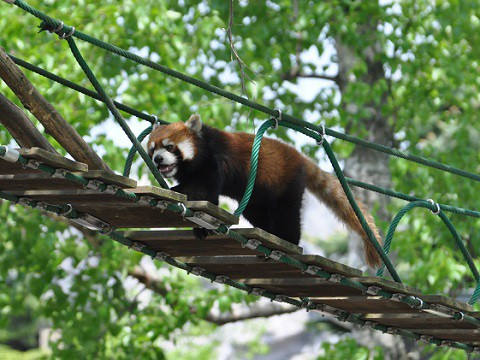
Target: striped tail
327 189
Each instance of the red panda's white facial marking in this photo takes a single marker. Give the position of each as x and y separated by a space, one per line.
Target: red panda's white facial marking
187 150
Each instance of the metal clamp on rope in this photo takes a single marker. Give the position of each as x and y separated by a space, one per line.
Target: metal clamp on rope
277 118
221 279
24 201
56 30
373 290
328 310
93 184
398 297
162 256
476 349
90 222
204 220
336 278
65 35
66 211
137 246
435 204
460 318
41 205
107 230
391 330
11 155
279 298
60 173
419 306
33 164
111 189
312 270
425 338
322 135
257 291
145 200
307 304
446 343
252 244
196 270
184 211
276 254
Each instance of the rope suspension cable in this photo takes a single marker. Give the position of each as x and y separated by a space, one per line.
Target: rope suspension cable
52 24
67 32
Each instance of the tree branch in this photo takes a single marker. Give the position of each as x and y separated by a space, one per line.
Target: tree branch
54 123
20 126
298 74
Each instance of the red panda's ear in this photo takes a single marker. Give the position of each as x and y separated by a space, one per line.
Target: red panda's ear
194 123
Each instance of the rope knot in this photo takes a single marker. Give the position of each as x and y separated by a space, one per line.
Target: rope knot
63 31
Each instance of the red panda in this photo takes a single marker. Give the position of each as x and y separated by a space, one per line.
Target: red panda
208 162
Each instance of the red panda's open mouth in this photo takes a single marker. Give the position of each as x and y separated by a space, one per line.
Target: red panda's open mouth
164 169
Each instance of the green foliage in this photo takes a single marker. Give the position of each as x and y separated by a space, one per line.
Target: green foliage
349 349
425 89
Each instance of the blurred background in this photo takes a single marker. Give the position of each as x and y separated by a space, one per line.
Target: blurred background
399 73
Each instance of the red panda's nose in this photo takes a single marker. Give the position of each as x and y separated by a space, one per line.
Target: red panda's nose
158 159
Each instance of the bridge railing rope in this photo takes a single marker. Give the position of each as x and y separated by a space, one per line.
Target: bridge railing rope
312 130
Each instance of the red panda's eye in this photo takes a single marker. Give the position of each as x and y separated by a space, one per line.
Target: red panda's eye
169 148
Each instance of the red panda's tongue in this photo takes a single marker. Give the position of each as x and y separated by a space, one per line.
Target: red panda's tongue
165 168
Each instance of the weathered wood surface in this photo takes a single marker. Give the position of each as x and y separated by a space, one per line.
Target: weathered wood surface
388 285
21 128
257 267
419 320
364 304
53 122
462 335
109 178
181 243
43 156
211 209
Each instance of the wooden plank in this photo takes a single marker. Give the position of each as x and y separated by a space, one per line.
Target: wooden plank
211 209
118 211
461 335
20 127
20 183
159 193
448 302
302 287
183 243
43 156
257 267
365 304
269 240
420 320
388 285
54 123
109 178
53 160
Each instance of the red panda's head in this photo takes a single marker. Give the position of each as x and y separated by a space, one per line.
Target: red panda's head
169 145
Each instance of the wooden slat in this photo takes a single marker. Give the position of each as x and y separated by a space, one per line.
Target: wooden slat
445 301
301 287
109 178
159 193
257 267
365 304
388 285
462 335
183 243
420 320
115 210
41 156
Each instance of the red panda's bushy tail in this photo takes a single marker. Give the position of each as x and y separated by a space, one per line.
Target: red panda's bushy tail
328 190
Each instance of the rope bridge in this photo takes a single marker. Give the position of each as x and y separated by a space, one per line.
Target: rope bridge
105 202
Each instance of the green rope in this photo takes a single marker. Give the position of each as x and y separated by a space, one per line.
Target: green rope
115 112
257 141
133 151
50 23
83 90
342 315
447 222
